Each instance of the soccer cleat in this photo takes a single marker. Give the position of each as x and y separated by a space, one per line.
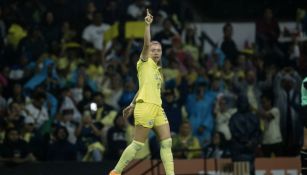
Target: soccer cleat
113 173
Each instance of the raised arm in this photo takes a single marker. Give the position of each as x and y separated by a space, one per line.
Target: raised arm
147 37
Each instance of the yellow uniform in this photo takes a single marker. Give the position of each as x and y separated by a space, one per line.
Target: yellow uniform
148 111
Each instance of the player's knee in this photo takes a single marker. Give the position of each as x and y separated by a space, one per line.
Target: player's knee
166 143
137 145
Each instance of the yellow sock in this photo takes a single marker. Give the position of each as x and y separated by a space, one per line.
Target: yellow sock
128 155
167 156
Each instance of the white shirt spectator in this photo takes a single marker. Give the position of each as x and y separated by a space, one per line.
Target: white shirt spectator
272 133
222 122
40 116
69 104
71 128
94 34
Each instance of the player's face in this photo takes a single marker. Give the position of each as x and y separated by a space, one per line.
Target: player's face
155 52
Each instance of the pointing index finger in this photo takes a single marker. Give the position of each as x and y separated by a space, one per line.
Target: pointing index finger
148 12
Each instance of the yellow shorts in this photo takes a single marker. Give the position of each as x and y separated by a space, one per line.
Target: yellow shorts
149 115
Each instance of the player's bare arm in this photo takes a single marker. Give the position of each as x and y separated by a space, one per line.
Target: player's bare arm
147 37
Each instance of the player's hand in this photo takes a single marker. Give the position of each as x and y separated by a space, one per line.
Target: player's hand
127 112
148 18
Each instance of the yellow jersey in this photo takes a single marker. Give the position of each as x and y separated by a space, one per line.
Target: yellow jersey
150 81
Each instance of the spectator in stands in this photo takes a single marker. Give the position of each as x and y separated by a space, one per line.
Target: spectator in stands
177 53
50 30
69 103
17 95
185 144
228 46
86 101
228 75
90 10
77 91
89 143
16 33
245 131
65 119
33 45
173 71
172 109
115 91
223 113
16 115
250 88
128 93
95 65
93 33
215 59
38 141
103 113
217 149
37 110
166 34
301 18
28 129
51 102
267 34
117 138
67 33
15 150
199 107
46 75
79 71
136 9
107 78
286 91
61 149
190 41
270 121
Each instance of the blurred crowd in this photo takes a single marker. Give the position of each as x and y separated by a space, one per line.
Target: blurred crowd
62 88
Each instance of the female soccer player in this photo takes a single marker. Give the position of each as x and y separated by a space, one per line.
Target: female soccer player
146 105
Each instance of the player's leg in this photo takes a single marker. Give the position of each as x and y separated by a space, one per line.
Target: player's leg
140 136
143 123
163 131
